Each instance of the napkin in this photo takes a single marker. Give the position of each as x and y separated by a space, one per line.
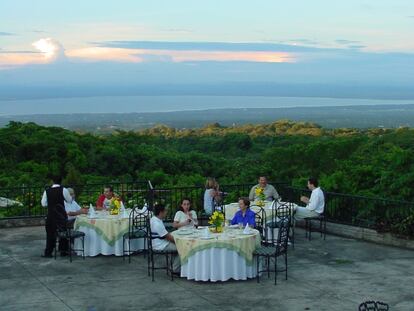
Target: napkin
246 229
144 208
91 212
206 233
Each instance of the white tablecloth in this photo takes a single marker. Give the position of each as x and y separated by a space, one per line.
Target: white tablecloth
223 256
217 264
103 234
95 245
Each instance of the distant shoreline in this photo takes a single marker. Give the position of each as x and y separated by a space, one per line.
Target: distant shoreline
346 116
163 104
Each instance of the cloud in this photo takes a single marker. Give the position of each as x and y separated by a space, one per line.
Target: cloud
17 52
178 56
48 51
304 41
346 42
51 49
38 31
356 46
2 33
206 46
104 54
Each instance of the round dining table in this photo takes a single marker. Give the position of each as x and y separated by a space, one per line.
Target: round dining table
217 256
104 234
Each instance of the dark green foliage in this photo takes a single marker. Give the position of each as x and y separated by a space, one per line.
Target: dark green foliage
378 162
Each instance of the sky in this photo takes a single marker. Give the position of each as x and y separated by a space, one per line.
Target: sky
354 48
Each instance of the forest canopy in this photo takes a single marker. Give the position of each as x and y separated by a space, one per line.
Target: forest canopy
375 162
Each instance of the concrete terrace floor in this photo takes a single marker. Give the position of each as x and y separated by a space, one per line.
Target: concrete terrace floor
336 274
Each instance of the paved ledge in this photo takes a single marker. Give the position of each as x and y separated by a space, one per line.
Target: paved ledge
336 274
369 235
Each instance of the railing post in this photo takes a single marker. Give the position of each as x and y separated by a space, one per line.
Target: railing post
151 196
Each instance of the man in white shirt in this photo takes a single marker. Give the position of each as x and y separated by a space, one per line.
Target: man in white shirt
163 240
314 205
73 209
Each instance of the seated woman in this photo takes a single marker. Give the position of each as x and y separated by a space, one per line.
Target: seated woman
185 217
245 215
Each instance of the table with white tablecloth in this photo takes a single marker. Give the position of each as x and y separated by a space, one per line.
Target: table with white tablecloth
219 257
104 234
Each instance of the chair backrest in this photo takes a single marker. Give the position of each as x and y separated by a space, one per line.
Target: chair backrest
259 219
283 236
138 221
371 305
280 213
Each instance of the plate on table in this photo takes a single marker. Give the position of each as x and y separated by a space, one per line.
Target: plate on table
233 226
248 233
184 232
206 237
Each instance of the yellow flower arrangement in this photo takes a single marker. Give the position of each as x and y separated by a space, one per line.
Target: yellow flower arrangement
217 221
260 196
115 206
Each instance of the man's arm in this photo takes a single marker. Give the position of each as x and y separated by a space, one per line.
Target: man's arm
44 199
313 202
99 202
67 196
252 193
169 238
275 194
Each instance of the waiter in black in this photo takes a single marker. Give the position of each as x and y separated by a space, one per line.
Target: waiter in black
53 198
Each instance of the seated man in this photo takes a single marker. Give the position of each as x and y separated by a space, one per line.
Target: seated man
163 240
269 191
73 209
104 200
314 205
245 215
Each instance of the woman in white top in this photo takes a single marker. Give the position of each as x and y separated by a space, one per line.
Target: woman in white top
185 217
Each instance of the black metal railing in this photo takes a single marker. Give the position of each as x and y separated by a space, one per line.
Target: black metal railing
25 201
377 213
172 197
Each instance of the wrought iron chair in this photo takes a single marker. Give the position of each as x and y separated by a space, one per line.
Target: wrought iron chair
322 223
282 210
260 218
137 229
64 231
152 252
274 248
371 305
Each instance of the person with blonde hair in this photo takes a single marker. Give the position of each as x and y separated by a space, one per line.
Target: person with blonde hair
211 195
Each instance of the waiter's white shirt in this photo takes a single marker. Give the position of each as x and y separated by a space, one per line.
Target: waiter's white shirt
66 195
